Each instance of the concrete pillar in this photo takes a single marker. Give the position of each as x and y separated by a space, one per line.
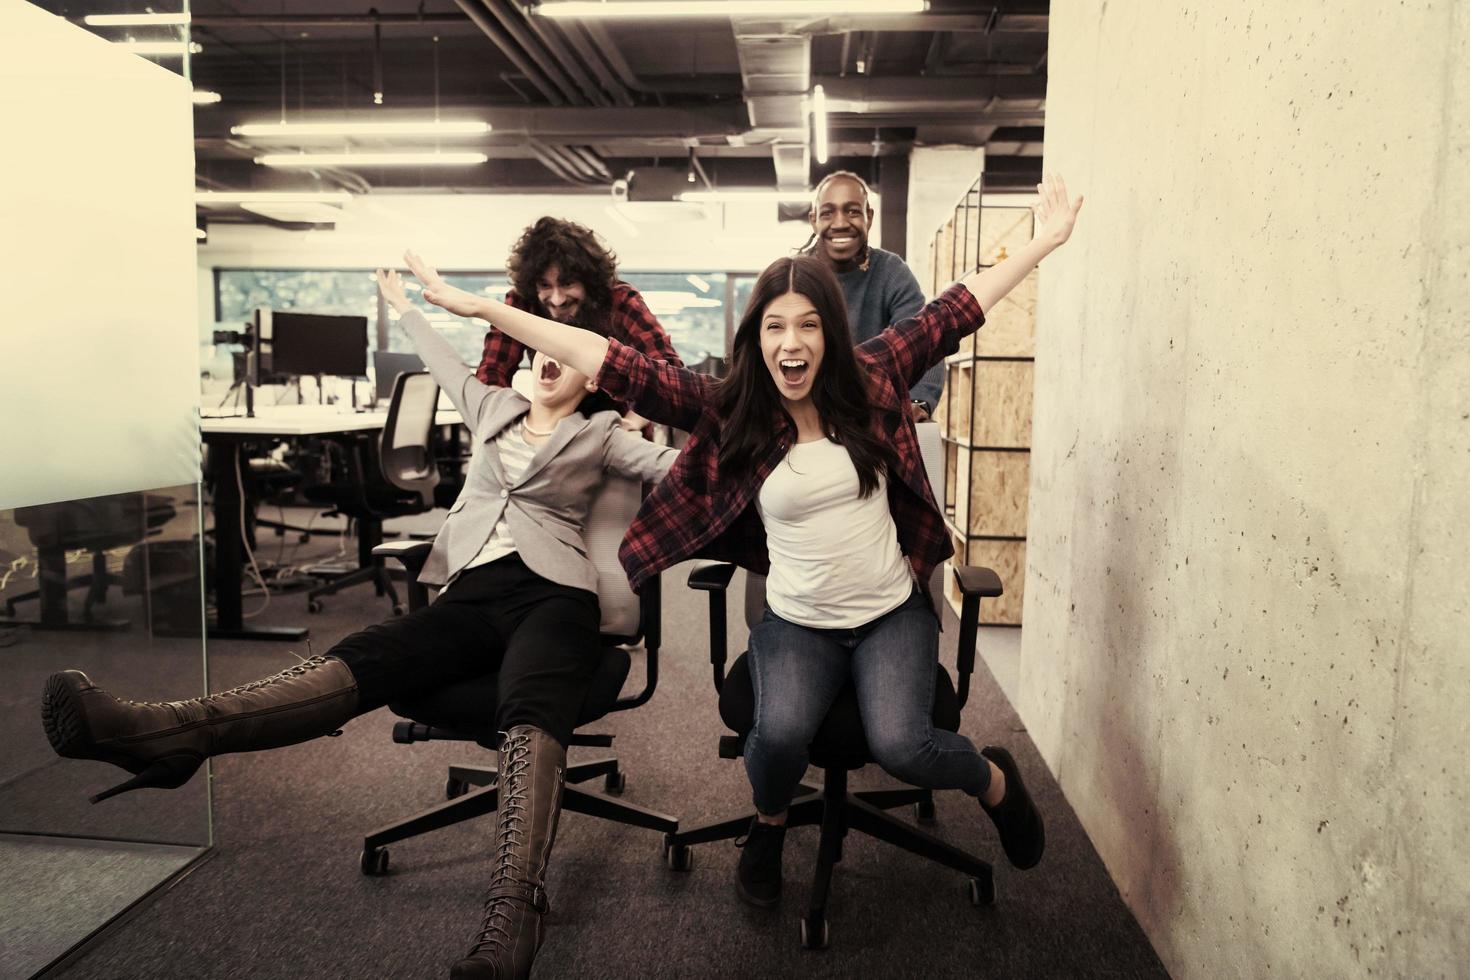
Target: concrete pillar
938 178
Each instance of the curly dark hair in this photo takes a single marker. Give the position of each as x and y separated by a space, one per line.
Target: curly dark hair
576 252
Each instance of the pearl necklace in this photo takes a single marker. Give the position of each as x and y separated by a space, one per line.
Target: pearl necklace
526 427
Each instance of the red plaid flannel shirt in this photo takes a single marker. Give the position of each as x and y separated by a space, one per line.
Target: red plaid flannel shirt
631 322
695 514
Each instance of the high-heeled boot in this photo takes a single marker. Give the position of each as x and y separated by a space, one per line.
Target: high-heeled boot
164 743
531 768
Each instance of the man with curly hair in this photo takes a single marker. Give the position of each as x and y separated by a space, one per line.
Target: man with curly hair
559 270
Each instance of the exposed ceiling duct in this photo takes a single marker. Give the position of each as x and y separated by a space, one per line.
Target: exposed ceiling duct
775 70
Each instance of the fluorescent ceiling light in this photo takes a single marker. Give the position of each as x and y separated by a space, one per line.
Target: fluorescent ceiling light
679 9
698 282
202 97
308 212
461 127
158 49
135 20
736 196
225 198
401 158
819 123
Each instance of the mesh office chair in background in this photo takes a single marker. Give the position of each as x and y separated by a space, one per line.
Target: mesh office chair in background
840 745
458 712
394 478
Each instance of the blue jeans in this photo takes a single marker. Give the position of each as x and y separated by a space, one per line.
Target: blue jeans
798 671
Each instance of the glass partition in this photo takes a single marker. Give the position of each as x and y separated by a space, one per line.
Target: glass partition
100 543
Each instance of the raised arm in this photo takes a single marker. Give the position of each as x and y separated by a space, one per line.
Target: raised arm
906 300
573 346
1055 217
466 392
911 347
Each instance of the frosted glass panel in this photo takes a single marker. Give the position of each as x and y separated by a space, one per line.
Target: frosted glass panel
99 369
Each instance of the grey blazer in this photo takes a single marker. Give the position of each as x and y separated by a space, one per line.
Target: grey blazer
547 506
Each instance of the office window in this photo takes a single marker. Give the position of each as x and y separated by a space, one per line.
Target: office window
690 305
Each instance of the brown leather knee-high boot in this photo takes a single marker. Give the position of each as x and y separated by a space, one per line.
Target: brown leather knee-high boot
164 743
531 768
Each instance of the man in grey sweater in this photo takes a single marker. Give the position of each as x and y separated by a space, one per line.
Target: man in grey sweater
878 286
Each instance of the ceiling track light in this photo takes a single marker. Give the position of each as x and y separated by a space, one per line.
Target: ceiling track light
737 196
448 127
136 20
413 158
819 123
682 9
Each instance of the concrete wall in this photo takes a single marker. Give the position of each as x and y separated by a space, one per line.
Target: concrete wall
1245 653
938 178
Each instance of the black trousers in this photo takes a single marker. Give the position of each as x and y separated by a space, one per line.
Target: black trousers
540 637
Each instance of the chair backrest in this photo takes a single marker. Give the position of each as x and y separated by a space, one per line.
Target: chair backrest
613 508
931 447
405 449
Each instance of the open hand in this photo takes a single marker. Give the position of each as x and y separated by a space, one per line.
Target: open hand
390 284
457 301
1055 214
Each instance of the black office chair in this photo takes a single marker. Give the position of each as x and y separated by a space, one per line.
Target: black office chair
394 478
458 712
98 525
840 745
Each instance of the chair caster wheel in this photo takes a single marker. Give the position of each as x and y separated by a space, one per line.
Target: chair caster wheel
313 605
455 788
615 782
374 861
982 892
679 857
924 811
397 609
813 932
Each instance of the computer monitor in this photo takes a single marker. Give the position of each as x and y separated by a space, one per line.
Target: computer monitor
311 343
388 365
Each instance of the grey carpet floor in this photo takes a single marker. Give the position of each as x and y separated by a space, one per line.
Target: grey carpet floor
282 895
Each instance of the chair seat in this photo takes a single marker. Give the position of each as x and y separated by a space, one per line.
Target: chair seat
469 706
840 742
383 500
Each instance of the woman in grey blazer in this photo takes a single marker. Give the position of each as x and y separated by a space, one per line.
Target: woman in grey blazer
519 599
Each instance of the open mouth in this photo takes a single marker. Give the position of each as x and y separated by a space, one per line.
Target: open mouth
841 241
794 370
550 371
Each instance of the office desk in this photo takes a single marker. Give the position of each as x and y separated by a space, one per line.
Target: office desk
224 436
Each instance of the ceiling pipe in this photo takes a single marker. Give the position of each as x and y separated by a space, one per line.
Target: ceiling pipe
572 31
510 22
593 160
507 46
552 42
553 164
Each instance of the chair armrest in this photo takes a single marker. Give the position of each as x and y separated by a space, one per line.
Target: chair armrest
978 581
715 579
712 577
412 555
975 582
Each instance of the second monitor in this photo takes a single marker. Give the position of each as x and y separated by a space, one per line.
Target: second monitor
313 343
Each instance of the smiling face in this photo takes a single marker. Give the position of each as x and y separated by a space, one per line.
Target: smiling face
561 299
792 345
841 220
555 385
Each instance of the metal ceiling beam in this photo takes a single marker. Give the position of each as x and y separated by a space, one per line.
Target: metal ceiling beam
510 21
507 46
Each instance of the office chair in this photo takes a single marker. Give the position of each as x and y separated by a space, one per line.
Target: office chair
840 745
98 525
395 481
458 711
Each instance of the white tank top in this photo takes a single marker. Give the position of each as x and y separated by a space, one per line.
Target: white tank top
835 560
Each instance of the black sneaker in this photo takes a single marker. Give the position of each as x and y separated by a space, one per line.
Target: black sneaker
1022 833
758 879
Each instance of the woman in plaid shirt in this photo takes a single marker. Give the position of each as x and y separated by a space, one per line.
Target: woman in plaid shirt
804 464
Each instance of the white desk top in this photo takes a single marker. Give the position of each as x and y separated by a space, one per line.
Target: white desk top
306 420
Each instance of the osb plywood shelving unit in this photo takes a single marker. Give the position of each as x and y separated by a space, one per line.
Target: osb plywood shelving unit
985 411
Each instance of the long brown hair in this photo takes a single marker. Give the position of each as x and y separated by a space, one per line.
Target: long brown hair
747 399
